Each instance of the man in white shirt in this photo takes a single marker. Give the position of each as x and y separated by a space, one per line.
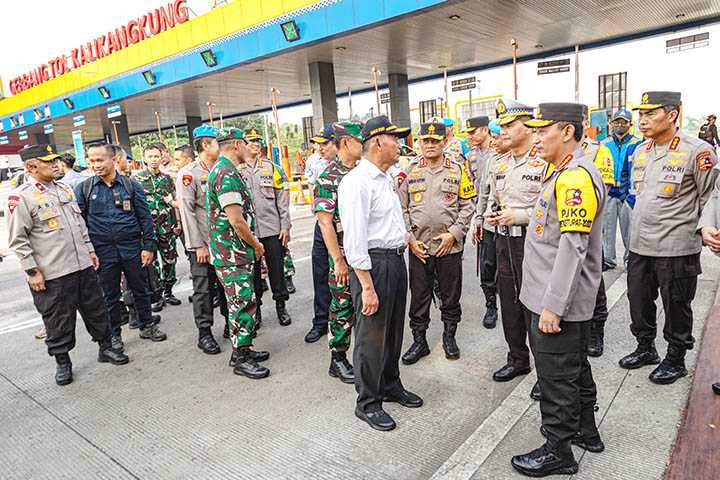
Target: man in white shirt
374 245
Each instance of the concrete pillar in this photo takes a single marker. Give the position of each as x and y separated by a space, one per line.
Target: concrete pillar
41 138
399 99
192 124
115 130
322 92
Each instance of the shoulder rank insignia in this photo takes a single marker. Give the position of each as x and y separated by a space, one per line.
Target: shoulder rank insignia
674 144
533 152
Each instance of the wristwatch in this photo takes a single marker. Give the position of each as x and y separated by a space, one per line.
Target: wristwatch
32 271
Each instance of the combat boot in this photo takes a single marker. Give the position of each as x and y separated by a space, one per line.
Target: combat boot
491 311
116 343
63 370
153 333
158 306
170 299
535 393
246 366
644 354
258 318
340 368
417 350
596 340
107 354
290 285
452 351
282 313
546 460
206 341
671 368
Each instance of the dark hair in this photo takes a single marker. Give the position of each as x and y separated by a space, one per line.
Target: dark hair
186 150
109 149
366 147
161 146
152 146
672 108
579 132
68 160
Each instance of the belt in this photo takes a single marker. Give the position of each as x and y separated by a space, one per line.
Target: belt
512 231
387 251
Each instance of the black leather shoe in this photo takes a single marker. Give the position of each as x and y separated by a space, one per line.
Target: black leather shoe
158 306
594 444
315 334
596 345
108 355
668 372
63 370
491 317
508 372
535 392
170 299
643 355
452 351
207 343
248 367
116 343
716 388
379 420
290 285
340 368
133 323
153 333
417 350
405 398
282 313
544 461
260 356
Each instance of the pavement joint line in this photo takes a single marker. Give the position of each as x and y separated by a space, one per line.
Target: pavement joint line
470 456
69 427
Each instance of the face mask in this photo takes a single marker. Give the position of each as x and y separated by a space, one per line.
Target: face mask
620 131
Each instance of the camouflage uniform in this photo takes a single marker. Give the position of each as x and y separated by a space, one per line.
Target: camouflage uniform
288 264
341 316
160 191
232 258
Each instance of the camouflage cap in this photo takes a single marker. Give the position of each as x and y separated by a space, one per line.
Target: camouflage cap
230 134
347 129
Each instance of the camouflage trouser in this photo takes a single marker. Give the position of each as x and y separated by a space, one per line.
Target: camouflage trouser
288 265
342 315
238 284
167 252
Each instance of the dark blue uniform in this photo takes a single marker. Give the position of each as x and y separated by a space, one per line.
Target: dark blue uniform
120 227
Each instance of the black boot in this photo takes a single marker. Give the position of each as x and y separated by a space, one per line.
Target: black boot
158 306
116 343
452 351
535 393
644 354
290 285
315 334
259 356
132 319
63 370
592 444
671 368
170 299
545 461
588 438
153 333
107 354
596 340
340 368
417 350
206 341
282 313
258 318
491 312
716 388
247 367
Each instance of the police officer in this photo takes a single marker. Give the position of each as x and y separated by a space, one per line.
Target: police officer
454 148
234 248
325 206
271 200
160 191
47 233
121 230
480 157
561 275
673 175
327 150
515 181
191 187
437 202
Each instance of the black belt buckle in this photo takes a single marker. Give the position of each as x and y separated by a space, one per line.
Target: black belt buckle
399 251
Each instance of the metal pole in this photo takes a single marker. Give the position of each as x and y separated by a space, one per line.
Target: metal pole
376 73
210 113
514 45
350 102
274 92
175 134
114 124
157 121
222 125
447 102
577 73
470 111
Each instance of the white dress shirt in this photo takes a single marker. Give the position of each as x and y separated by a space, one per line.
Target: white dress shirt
314 166
370 214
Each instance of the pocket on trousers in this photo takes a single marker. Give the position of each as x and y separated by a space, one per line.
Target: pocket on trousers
557 365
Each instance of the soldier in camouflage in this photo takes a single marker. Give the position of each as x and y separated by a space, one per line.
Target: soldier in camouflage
325 206
160 190
234 248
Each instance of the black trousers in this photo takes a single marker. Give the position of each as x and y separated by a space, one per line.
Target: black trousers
378 338
676 279
274 259
320 272
488 268
568 389
600 314
59 303
447 271
515 317
203 279
138 281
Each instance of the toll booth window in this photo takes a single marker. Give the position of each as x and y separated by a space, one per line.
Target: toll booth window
428 110
612 91
308 131
479 107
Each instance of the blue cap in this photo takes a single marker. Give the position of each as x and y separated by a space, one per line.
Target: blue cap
494 127
623 113
205 131
448 122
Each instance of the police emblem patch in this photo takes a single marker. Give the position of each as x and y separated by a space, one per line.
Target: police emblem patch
573 197
187 180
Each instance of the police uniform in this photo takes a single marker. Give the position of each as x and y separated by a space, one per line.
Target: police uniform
514 183
435 199
191 187
47 233
271 201
480 160
561 274
673 183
